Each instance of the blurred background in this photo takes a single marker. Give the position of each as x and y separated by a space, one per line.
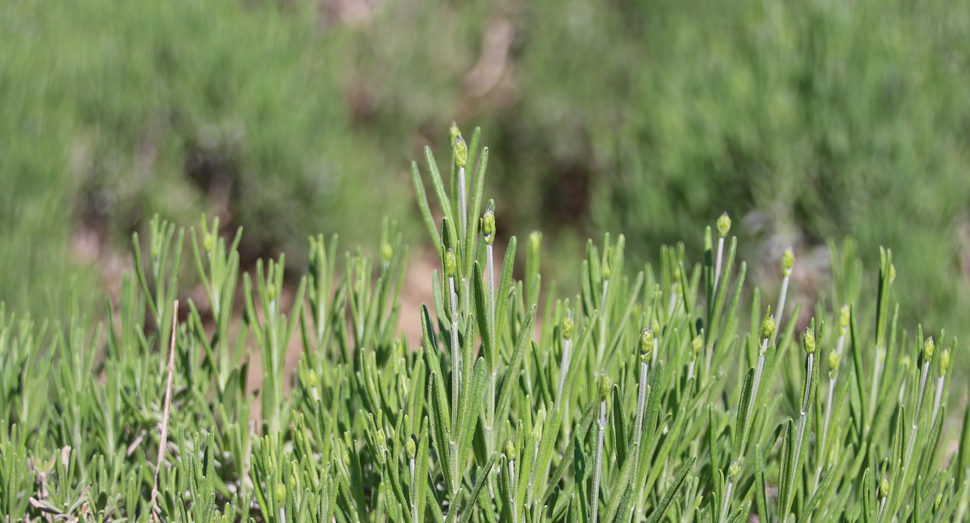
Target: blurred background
804 120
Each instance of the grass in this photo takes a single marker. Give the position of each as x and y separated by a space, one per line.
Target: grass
657 393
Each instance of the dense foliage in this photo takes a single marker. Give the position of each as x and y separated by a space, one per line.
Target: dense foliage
803 120
648 396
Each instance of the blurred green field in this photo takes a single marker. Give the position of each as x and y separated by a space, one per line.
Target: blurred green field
803 120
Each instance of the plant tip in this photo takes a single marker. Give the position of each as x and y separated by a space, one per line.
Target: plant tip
723 225
788 261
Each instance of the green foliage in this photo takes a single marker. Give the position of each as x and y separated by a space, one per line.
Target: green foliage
639 399
114 111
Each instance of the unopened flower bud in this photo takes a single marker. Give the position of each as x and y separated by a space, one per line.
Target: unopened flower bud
905 361
646 342
734 470
723 225
892 273
808 341
209 242
944 362
488 223
884 487
454 133
606 270
844 319
787 262
510 451
461 151
567 326
410 447
834 359
697 344
768 327
928 348
280 493
386 252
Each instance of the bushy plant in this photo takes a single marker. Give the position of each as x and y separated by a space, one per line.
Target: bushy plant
648 396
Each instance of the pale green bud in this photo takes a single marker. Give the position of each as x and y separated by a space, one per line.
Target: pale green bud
461 151
768 327
723 225
646 342
312 379
734 470
606 270
451 264
928 348
787 262
410 447
844 318
488 223
271 290
510 451
938 502
892 273
454 133
567 326
944 362
834 359
386 252
537 430
209 242
884 487
280 493
808 341
697 344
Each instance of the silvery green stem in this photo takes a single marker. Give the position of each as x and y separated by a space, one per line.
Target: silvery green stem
803 417
717 266
641 402
455 353
462 201
828 406
598 462
414 503
515 515
919 407
564 366
690 368
940 380
780 312
754 396
490 276
282 515
727 500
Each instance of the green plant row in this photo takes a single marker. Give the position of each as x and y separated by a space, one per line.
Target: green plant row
649 396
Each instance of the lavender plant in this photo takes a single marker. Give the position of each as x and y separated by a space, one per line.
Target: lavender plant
650 396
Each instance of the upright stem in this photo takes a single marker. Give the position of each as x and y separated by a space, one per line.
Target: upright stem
455 353
414 502
717 266
564 366
597 464
828 411
780 312
490 276
462 202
